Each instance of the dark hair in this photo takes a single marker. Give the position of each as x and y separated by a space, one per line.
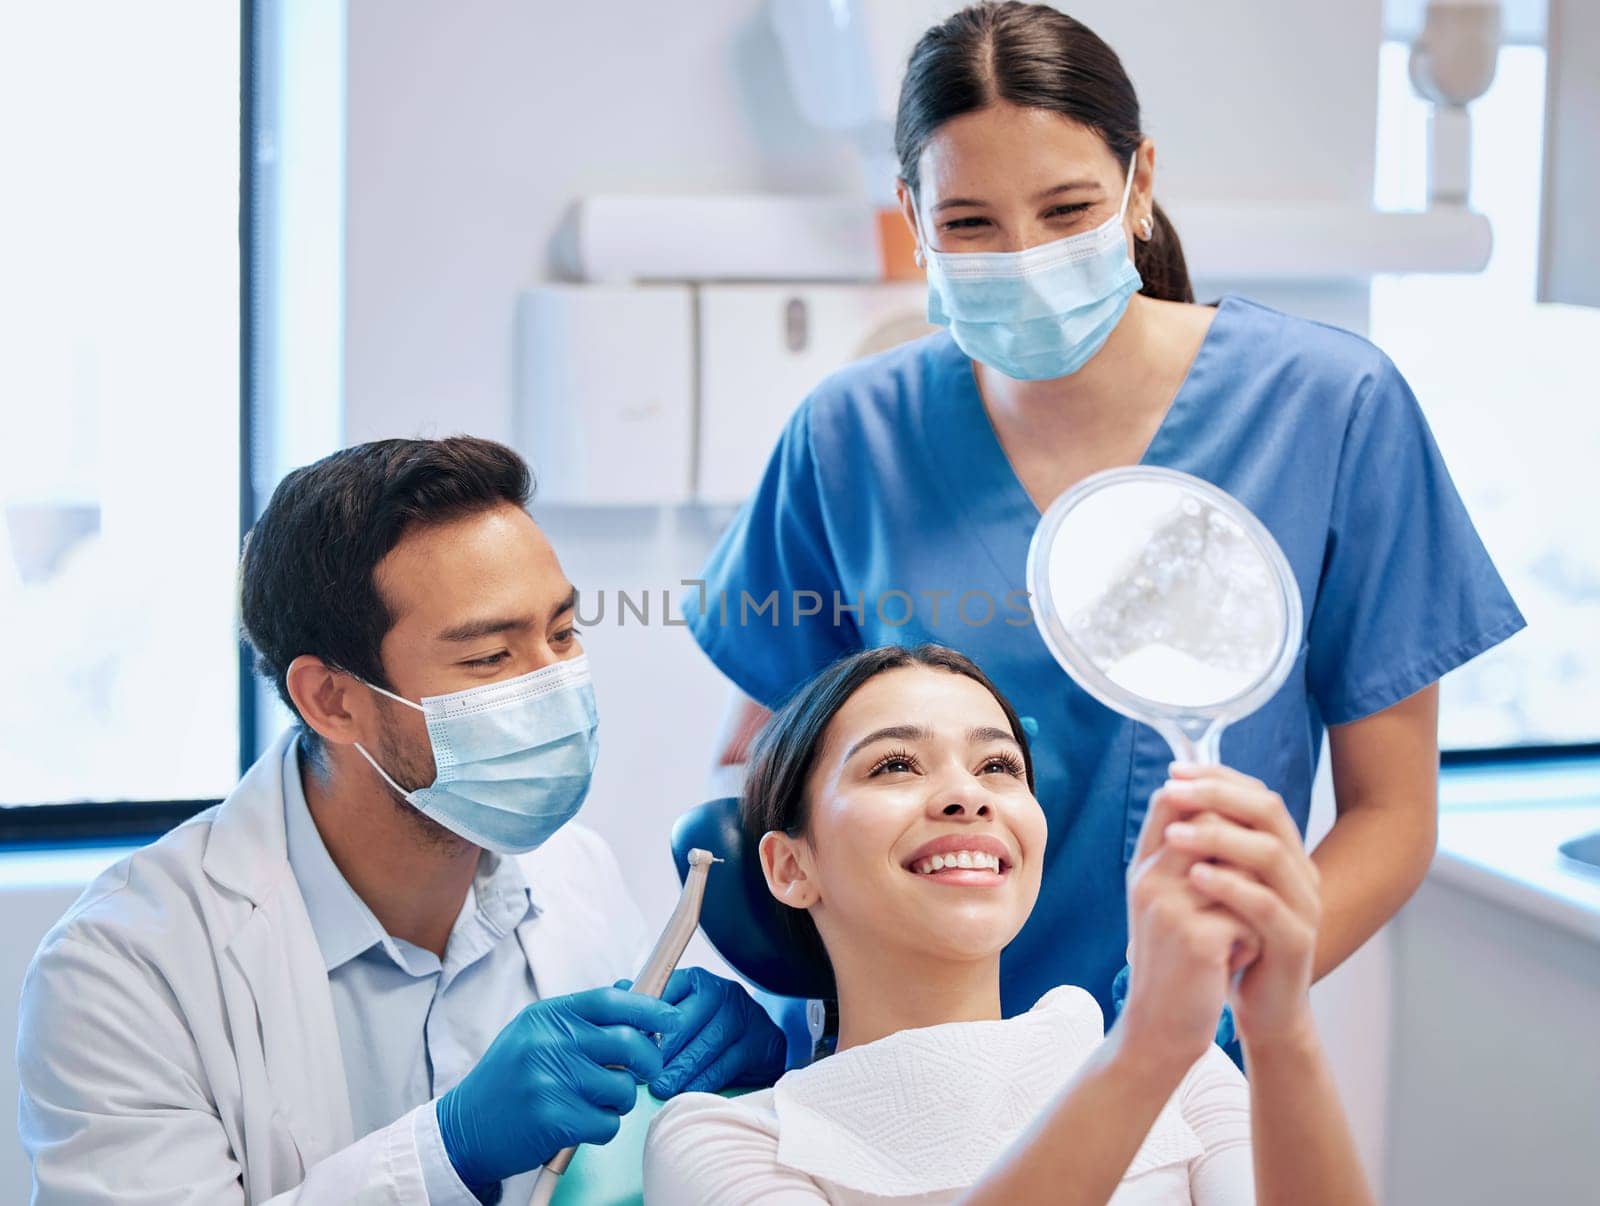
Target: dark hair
1036 57
786 749
306 573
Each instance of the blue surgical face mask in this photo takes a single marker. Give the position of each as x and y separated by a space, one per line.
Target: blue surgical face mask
512 759
1040 313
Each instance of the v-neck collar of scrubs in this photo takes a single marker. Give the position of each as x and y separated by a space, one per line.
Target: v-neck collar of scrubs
966 452
497 901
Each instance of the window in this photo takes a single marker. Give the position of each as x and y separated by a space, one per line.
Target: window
119 467
1509 390
125 700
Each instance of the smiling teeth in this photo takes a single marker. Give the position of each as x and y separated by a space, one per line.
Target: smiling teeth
959 859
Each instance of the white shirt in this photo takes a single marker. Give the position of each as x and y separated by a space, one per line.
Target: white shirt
916 1117
178 1043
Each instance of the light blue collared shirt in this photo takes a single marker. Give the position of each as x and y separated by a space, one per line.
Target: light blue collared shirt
412 1025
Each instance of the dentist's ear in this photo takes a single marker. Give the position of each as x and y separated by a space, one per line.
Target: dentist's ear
330 702
783 864
1139 217
908 211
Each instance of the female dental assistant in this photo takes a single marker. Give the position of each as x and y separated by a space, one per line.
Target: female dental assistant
898 505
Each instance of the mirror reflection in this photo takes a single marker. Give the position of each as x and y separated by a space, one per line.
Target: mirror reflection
1166 594
1164 598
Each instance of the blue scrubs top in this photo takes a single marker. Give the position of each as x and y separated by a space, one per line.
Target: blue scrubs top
890 511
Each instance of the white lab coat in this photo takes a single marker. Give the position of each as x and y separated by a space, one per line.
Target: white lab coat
177 1041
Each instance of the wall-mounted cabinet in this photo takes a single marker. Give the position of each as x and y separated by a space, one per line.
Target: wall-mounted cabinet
605 392
663 394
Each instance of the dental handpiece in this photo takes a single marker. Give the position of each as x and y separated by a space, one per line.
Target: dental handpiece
651 982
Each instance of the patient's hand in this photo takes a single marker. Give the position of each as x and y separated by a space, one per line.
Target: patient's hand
1246 856
1187 947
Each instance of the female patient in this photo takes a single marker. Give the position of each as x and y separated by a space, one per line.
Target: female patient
894 796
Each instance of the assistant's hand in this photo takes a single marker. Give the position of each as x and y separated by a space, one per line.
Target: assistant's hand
723 1038
1261 874
562 1072
1183 949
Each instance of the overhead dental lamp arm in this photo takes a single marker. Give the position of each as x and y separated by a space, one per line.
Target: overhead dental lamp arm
1452 64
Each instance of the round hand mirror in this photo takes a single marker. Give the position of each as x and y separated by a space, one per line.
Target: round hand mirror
1167 600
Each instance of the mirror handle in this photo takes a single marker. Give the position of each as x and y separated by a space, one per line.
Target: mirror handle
1196 739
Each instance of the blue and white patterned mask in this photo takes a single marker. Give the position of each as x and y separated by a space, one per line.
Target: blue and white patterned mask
1041 313
513 759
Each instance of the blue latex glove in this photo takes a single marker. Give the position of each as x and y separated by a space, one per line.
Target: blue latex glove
562 1072
723 1037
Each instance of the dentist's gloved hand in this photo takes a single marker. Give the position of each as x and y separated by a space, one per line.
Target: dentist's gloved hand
723 1037
544 1083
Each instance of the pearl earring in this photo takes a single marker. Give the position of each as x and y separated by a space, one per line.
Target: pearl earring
1147 228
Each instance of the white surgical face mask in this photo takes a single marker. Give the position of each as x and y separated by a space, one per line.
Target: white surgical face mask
513 759
1041 313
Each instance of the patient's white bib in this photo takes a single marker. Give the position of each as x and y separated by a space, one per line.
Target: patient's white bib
928 1110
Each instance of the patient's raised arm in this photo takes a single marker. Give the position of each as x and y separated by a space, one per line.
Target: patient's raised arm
1078 1151
1255 866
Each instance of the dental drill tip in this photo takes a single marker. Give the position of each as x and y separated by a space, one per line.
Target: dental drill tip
702 858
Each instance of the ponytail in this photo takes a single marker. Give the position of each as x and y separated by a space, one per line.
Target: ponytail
1160 262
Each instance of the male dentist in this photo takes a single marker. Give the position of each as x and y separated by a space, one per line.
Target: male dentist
341 985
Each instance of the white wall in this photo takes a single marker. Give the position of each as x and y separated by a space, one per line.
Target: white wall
1496 1084
472 126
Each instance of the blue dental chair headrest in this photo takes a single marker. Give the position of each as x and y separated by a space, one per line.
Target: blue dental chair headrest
740 917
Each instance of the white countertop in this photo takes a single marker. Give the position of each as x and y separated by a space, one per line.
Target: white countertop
1500 830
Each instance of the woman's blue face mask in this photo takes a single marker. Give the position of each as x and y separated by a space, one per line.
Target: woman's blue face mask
1041 313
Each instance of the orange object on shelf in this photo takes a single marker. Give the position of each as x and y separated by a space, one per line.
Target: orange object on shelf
896 247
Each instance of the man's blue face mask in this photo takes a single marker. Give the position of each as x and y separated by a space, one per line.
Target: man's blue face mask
513 759
1041 313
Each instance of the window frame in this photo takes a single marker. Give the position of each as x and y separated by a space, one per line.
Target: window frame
1507 755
